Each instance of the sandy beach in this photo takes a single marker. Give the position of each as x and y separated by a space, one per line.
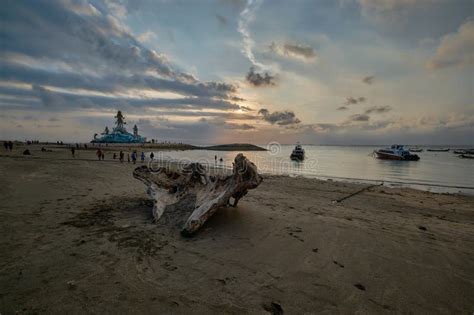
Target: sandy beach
78 237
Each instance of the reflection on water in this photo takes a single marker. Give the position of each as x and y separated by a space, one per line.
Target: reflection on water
436 171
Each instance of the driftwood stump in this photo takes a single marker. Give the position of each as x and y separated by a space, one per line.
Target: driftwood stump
168 187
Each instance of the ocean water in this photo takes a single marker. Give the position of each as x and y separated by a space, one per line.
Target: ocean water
435 171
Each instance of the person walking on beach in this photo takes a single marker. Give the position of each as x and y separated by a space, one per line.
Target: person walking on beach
142 156
134 157
103 156
73 151
10 145
114 156
215 158
99 154
128 157
121 157
5 145
152 156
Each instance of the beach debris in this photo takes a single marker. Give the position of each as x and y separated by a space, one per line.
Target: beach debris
356 193
273 308
168 187
71 285
360 286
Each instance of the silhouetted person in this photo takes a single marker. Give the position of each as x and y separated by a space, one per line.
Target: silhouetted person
142 156
121 156
5 145
152 156
73 151
99 154
215 158
128 157
134 157
10 145
103 156
115 156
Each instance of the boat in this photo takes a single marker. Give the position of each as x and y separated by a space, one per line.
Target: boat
467 156
396 152
298 153
416 150
459 151
438 150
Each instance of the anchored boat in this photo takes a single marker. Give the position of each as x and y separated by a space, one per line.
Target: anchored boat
396 152
298 153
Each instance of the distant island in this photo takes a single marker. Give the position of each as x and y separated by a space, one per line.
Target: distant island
233 147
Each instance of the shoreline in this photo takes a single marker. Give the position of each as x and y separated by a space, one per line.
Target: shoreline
90 156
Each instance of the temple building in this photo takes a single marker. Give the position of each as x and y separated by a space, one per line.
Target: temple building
119 133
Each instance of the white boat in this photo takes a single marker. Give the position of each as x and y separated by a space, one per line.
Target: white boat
396 152
298 153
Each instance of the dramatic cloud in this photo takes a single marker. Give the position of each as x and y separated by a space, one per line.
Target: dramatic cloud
378 109
301 52
352 101
69 101
455 49
368 80
259 79
280 118
85 46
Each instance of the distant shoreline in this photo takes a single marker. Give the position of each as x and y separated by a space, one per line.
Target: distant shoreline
158 146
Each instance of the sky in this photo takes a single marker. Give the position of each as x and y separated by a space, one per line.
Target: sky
225 71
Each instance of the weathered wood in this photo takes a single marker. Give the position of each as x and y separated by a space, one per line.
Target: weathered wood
168 187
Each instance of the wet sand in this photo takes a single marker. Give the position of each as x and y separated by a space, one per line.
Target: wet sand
78 237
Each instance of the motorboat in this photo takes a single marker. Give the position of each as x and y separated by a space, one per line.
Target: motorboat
416 150
298 153
438 150
467 156
396 152
459 151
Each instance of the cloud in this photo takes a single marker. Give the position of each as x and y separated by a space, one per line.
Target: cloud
352 100
456 49
391 11
221 19
297 51
259 79
146 36
246 17
69 101
378 109
280 118
84 46
358 117
368 80
220 121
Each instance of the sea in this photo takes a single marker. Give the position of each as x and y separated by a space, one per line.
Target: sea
440 172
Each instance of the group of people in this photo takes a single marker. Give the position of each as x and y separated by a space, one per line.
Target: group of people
8 145
121 156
